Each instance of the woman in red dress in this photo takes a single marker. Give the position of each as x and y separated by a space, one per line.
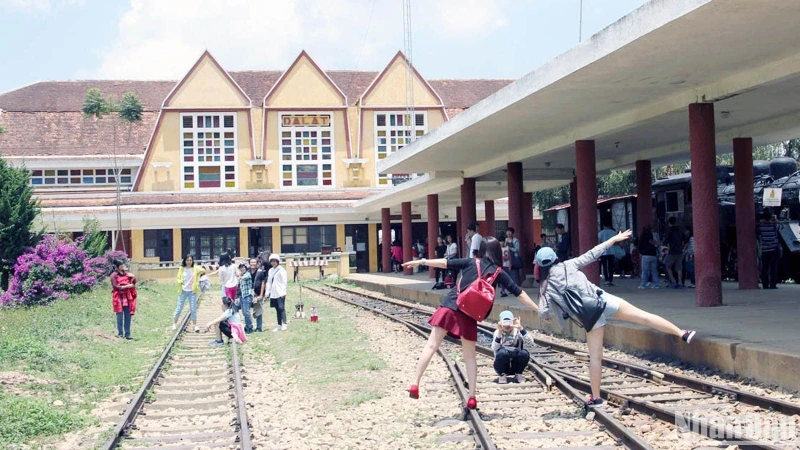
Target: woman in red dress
123 298
449 320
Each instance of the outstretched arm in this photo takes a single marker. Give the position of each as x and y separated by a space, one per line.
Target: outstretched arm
526 300
595 253
437 263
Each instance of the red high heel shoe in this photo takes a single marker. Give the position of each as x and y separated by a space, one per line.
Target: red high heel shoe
472 403
413 391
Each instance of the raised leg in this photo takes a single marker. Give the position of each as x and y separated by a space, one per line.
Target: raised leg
630 313
434 340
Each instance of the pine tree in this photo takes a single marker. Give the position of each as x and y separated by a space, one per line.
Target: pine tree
18 211
95 240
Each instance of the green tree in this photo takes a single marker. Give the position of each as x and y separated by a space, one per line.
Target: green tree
96 105
95 240
18 211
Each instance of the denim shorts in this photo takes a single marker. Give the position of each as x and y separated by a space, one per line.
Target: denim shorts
612 306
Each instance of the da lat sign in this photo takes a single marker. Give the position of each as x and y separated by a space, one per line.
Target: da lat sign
306 120
772 196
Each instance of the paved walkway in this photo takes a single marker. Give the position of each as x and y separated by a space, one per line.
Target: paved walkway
754 328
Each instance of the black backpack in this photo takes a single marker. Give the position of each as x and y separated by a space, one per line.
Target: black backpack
584 313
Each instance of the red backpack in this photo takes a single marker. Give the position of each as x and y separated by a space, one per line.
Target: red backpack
477 299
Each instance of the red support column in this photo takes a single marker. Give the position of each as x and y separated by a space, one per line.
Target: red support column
407 237
488 209
386 240
459 237
644 196
468 205
586 171
433 229
705 221
526 241
745 213
573 217
514 175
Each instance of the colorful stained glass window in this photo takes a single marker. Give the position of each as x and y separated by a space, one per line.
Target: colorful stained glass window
306 143
393 131
208 150
76 177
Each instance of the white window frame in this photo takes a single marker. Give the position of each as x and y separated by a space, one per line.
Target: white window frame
294 162
84 173
222 163
388 128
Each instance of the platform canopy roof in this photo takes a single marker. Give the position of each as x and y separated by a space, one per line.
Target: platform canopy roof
628 88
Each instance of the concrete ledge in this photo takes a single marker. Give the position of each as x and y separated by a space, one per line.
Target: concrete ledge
762 363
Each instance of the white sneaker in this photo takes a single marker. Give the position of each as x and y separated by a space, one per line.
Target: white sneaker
196 329
278 328
283 327
502 379
174 326
520 378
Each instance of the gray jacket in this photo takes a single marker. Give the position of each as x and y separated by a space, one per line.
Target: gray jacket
551 288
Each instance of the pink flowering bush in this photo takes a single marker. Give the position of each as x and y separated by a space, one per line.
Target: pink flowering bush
52 271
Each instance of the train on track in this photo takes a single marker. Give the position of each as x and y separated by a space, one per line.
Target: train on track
672 197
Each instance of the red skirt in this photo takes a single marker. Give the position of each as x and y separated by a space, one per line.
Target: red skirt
457 324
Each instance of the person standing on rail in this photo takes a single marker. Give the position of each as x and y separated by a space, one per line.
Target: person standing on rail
275 288
449 320
245 299
510 356
123 297
189 280
556 278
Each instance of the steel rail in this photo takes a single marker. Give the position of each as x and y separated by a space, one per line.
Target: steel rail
616 428
136 403
244 424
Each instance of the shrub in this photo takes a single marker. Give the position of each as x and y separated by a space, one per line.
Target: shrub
52 271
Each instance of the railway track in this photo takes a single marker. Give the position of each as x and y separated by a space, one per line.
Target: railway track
543 412
699 413
192 397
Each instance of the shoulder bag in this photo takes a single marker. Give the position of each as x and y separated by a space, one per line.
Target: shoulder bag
585 312
477 299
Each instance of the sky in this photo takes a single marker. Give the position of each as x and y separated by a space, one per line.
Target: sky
160 39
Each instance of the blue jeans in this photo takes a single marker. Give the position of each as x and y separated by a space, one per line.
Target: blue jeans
192 304
510 361
247 303
649 270
124 322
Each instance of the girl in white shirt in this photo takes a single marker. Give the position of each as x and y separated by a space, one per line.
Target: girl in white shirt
227 276
275 288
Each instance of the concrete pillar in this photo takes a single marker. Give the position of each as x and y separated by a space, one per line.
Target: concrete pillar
514 175
407 237
386 239
276 239
433 229
526 241
745 213
488 209
586 175
459 237
573 217
372 240
705 220
644 196
244 244
177 244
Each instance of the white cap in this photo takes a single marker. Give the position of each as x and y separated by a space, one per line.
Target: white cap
275 256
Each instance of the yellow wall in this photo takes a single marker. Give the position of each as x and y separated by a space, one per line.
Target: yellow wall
372 232
340 239
305 86
137 245
244 242
177 244
208 86
276 239
391 88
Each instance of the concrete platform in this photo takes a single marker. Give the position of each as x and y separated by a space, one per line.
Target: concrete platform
754 335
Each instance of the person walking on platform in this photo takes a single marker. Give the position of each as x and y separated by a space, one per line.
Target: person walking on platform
563 242
607 261
276 288
474 240
565 291
510 357
648 248
673 262
441 251
768 230
449 320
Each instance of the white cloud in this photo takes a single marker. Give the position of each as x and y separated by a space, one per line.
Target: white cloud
38 6
161 39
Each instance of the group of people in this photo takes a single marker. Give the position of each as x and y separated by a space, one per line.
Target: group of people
556 276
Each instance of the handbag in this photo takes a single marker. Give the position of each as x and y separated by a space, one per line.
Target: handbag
584 312
477 299
204 283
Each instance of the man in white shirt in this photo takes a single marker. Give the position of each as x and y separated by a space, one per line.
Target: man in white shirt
475 239
275 288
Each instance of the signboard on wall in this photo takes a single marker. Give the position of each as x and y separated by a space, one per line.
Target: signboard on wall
772 196
306 120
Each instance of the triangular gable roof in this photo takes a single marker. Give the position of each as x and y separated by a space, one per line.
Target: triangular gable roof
383 72
206 55
303 54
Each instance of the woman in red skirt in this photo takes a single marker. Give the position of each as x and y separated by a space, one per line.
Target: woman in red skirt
448 320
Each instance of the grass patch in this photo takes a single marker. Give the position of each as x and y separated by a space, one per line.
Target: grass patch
329 351
72 347
362 397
